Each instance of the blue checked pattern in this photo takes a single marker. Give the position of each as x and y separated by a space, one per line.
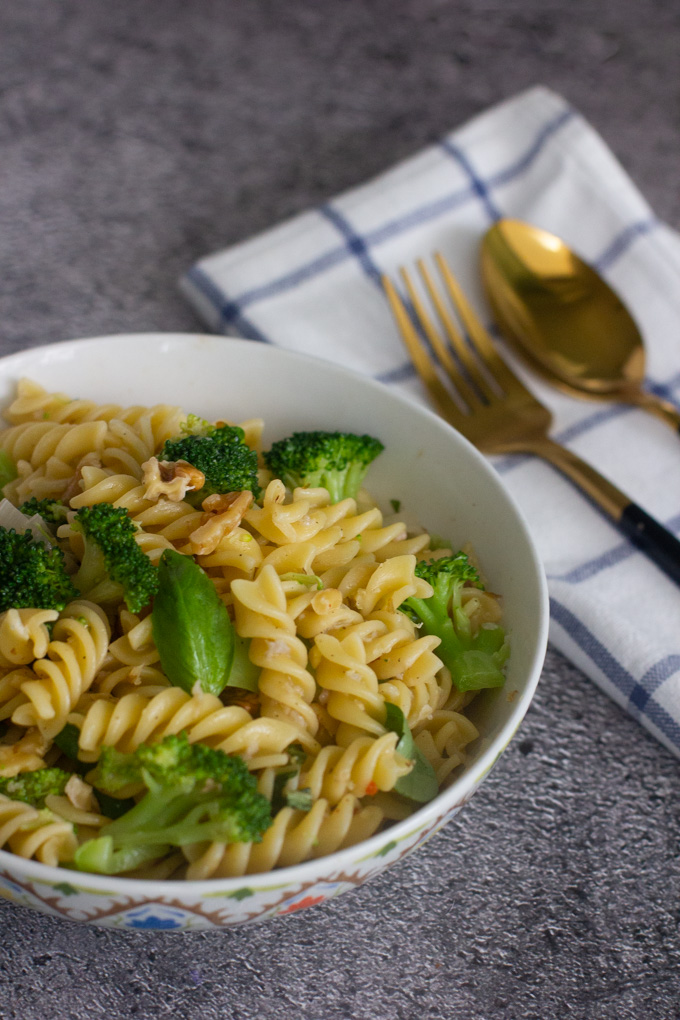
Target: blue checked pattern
532 157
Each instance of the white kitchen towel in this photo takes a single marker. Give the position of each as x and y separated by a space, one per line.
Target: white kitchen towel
312 284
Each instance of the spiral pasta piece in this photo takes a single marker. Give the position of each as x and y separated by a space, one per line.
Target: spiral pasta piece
80 641
415 669
293 837
31 833
24 635
482 607
280 522
37 443
153 425
286 687
135 719
368 527
353 696
132 662
10 693
443 739
136 646
302 557
408 669
137 444
364 767
237 555
47 454
321 611
389 584
146 680
81 817
33 402
100 485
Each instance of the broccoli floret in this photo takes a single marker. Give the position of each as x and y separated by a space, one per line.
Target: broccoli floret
193 794
32 574
33 787
336 461
196 426
475 661
228 463
52 511
113 565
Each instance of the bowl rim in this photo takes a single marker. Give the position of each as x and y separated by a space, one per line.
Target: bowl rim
435 810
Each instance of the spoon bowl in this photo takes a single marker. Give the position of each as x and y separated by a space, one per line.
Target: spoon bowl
566 321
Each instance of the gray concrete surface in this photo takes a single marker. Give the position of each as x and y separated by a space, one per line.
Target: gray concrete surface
135 137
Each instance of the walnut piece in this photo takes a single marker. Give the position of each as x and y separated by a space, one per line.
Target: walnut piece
224 514
26 755
170 478
80 794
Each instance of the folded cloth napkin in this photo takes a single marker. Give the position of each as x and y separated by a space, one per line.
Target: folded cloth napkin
313 284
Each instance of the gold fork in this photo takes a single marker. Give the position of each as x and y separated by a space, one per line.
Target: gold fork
475 390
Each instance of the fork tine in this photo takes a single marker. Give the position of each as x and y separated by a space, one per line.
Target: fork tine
478 336
436 341
462 349
421 360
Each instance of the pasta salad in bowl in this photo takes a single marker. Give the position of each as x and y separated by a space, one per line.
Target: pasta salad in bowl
264 628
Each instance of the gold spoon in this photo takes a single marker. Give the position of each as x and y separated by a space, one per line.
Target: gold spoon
562 316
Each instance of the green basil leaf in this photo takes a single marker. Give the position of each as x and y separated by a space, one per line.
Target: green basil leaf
191 626
421 783
244 673
8 471
113 807
67 740
278 799
297 754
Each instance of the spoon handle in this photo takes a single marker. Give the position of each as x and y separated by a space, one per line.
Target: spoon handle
650 537
663 409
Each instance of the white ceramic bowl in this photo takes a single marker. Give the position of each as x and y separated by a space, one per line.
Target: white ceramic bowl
437 475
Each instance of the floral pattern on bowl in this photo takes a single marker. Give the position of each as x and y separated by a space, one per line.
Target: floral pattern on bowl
230 901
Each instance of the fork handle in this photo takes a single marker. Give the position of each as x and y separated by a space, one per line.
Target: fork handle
652 538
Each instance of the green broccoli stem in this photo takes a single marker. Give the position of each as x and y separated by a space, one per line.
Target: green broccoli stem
471 661
148 822
92 579
100 857
476 670
169 815
335 483
341 483
194 794
436 621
